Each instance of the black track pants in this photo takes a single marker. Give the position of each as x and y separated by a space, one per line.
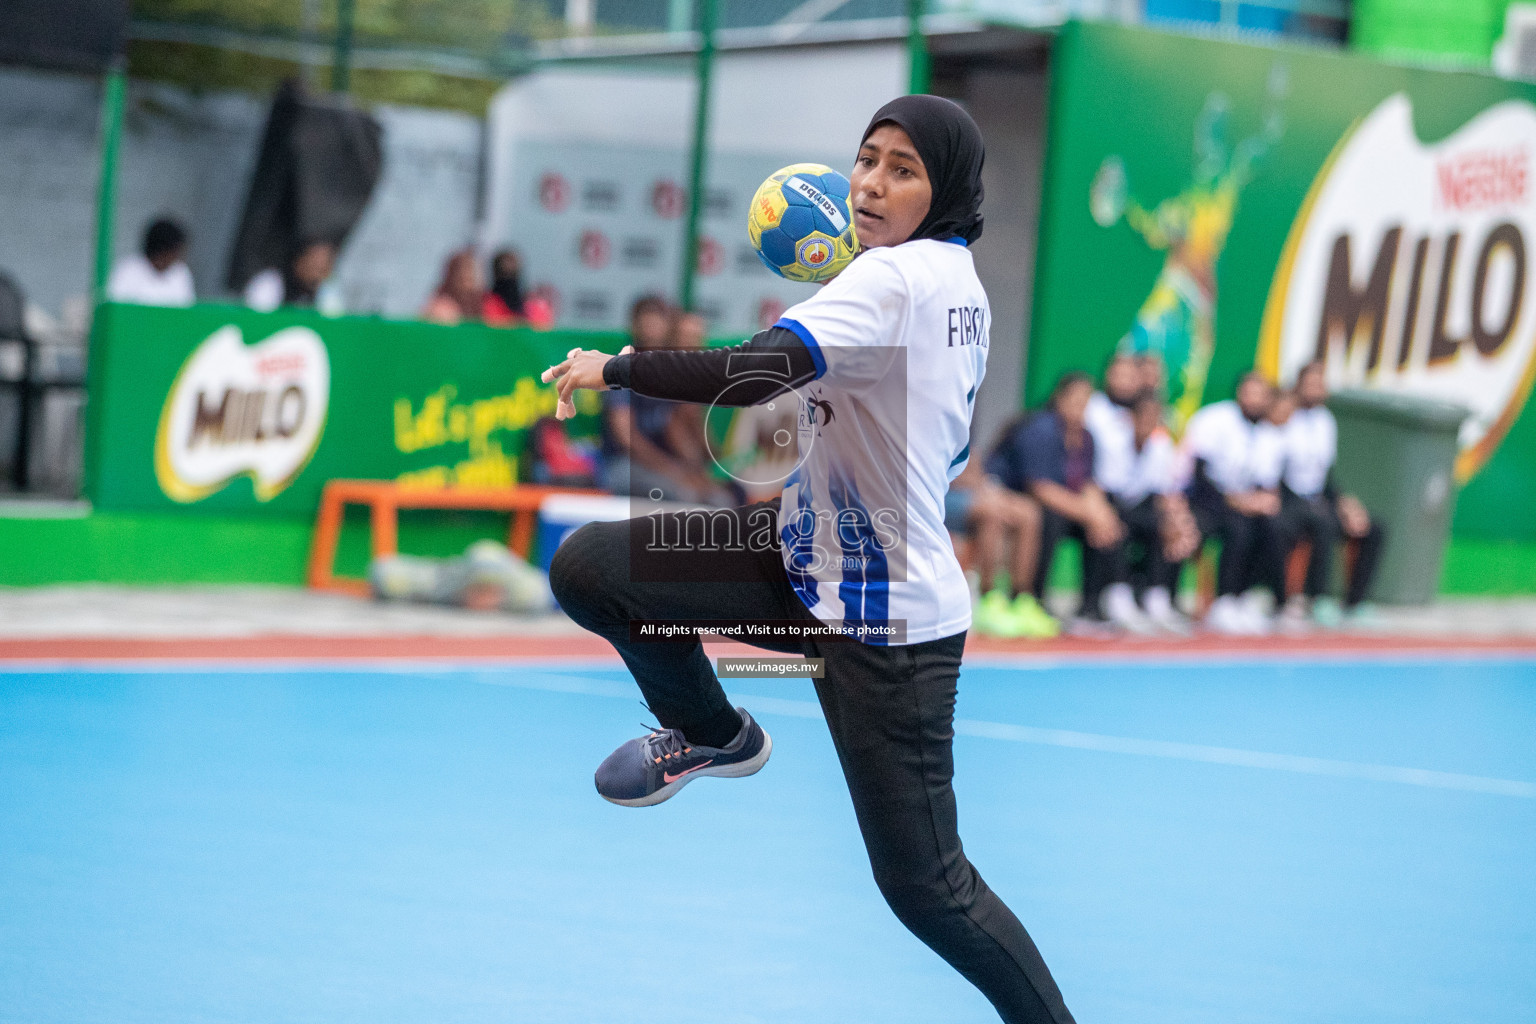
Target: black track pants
1251 552
890 711
1144 542
1101 566
1316 520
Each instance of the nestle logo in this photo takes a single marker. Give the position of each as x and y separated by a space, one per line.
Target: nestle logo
286 364
1479 180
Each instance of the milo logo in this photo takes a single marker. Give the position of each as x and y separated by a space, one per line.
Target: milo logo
1408 269
243 410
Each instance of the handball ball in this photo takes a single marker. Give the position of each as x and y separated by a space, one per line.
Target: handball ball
800 223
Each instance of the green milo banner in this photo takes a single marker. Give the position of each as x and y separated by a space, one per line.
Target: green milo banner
1228 206
222 409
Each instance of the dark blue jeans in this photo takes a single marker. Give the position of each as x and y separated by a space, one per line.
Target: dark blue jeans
890 711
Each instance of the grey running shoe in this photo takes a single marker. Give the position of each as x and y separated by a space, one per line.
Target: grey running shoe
652 768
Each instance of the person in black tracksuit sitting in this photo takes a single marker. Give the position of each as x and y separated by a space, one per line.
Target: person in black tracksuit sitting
1160 530
1230 502
1311 506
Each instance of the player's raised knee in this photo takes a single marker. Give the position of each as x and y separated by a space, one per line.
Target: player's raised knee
578 572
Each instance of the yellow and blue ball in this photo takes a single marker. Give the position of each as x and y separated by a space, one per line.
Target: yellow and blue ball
801 225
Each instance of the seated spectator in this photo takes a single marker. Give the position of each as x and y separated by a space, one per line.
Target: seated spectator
688 331
460 296
1152 373
545 300
644 455
683 433
1269 441
761 450
1230 500
506 304
1050 457
157 275
1160 529
1311 506
1004 529
1136 470
1108 419
552 457
303 282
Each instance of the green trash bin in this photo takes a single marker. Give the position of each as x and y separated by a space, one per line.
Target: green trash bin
1397 454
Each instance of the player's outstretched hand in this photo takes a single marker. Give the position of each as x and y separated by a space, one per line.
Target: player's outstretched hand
582 368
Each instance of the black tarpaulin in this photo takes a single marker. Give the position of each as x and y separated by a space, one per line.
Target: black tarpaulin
320 160
68 35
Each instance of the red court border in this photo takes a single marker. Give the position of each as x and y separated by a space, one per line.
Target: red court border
585 647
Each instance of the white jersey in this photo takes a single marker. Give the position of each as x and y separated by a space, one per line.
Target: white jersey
1269 455
1154 469
900 345
1234 454
1311 445
1114 442
136 280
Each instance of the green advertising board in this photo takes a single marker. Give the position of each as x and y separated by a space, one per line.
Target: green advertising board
225 410
1231 206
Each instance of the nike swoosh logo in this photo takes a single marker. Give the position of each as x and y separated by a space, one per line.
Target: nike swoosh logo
670 778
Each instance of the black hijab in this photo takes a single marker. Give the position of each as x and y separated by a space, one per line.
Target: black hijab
952 152
508 288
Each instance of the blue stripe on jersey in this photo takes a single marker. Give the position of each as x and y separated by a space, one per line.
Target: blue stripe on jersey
798 536
965 453
957 240
866 587
804 334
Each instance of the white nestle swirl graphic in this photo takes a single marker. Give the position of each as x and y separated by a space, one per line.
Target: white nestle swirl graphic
1441 289
235 410
822 200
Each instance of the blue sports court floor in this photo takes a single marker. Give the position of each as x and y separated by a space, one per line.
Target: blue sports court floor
1201 842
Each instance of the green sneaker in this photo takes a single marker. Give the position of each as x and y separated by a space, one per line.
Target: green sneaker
1327 612
994 616
1033 620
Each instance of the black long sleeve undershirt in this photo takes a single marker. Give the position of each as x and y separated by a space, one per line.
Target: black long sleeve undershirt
769 364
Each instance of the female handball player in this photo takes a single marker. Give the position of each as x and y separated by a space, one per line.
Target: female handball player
852 564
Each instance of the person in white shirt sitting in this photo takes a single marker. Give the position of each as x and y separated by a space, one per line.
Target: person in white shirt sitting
157 275
1311 506
305 281
1230 498
1131 465
1269 459
1160 529
1108 419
